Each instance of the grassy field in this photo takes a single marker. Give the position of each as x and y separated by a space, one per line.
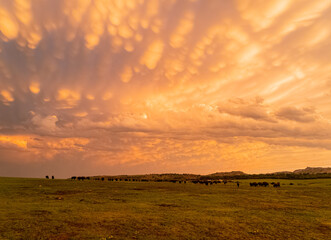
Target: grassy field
66 209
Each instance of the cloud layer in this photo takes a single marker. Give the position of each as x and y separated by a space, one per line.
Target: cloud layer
100 87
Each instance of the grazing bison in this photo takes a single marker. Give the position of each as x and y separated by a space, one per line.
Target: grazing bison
47 177
277 184
73 178
262 184
52 177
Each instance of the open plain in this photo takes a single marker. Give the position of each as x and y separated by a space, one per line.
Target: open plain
71 209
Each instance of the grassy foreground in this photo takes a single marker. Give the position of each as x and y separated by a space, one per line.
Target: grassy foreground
66 209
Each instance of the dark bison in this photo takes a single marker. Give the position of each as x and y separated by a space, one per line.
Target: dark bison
276 184
47 177
52 177
73 178
265 184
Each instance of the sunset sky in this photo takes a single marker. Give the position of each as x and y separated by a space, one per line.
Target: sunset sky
186 86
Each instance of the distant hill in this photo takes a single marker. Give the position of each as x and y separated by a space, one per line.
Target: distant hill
307 173
312 170
282 172
233 173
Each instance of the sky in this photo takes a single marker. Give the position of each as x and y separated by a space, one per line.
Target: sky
149 86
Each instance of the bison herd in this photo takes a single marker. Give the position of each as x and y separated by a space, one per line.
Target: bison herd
209 182
202 182
264 184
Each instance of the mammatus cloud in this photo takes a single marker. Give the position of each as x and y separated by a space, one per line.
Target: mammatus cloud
97 87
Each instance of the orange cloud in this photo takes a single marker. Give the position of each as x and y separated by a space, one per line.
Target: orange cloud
166 85
153 54
19 142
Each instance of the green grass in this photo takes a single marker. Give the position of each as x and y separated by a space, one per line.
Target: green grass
66 209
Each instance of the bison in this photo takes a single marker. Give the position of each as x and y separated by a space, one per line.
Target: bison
277 184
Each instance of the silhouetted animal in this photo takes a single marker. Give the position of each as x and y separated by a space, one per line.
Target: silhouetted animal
52 177
47 177
277 184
